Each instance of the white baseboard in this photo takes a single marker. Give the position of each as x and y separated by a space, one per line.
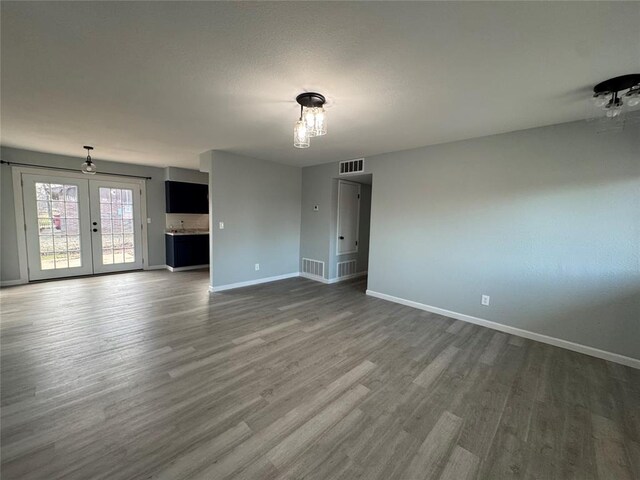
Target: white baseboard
315 278
557 342
155 267
190 267
231 286
347 277
11 283
332 280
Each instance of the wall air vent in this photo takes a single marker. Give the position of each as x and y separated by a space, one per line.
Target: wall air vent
348 167
312 268
346 269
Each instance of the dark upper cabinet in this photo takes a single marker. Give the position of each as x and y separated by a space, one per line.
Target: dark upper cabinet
185 197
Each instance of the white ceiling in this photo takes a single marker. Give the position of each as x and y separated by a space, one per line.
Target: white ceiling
159 82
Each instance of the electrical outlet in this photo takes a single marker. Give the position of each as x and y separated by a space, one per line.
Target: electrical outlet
221 225
257 267
485 300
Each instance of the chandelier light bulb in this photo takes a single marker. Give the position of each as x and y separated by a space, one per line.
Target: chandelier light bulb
613 110
300 135
320 125
309 117
601 99
632 97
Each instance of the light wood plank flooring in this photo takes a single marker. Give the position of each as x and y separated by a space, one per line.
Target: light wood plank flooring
145 375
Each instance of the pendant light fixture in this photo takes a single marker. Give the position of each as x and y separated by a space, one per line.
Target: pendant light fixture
607 95
88 166
312 121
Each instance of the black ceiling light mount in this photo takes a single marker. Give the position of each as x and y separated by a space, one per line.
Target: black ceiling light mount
607 95
312 121
311 99
88 166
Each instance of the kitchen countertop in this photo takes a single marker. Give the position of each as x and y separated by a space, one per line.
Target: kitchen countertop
188 232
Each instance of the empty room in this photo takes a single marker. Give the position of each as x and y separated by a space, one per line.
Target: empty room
319 240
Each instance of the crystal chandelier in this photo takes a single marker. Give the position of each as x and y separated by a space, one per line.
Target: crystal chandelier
611 97
312 121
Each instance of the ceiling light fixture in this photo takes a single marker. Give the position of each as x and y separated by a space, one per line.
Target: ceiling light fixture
607 95
88 166
312 121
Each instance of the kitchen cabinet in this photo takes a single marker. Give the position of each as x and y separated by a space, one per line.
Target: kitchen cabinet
183 197
187 250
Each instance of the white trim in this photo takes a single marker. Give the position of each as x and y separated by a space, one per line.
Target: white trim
557 342
11 283
348 277
252 282
314 277
156 267
145 227
340 183
23 265
190 267
333 280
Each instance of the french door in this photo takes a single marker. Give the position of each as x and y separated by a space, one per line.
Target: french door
78 226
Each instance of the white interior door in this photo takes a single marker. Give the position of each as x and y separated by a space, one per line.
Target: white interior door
57 226
116 226
348 217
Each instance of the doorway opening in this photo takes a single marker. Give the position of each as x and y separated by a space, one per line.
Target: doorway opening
352 227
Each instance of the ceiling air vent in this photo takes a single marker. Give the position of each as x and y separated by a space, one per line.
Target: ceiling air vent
348 167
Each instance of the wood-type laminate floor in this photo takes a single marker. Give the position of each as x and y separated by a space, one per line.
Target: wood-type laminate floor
146 375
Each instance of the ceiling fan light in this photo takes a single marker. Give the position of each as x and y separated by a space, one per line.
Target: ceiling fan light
300 135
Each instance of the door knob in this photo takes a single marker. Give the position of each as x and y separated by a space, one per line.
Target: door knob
95 223
95 229
341 237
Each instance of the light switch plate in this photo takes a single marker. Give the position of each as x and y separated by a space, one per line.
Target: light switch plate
485 300
221 225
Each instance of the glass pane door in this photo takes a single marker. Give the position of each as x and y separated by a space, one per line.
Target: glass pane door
116 226
57 226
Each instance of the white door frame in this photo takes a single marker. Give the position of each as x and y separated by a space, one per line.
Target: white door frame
340 182
16 174
34 260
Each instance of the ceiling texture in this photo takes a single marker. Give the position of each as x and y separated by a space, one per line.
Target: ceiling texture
160 82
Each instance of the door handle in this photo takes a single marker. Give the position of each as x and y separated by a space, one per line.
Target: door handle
95 223
341 237
95 229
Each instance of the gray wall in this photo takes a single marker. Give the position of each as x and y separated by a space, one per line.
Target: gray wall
319 229
9 268
546 221
259 203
